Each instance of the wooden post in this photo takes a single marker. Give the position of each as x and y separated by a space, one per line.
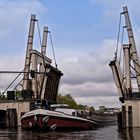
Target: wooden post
130 118
119 118
11 117
123 117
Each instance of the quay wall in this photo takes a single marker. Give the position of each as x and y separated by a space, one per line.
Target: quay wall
20 106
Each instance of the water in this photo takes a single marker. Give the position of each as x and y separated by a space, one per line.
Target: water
104 133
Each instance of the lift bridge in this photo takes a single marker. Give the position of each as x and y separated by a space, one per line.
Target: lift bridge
127 76
40 80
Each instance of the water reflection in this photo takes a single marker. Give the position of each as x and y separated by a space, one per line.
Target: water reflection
129 134
103 133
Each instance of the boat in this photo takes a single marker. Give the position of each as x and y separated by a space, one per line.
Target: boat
103 119
55 119
105 116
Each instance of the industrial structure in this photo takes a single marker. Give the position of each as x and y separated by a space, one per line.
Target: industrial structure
40 78
127 76
39 84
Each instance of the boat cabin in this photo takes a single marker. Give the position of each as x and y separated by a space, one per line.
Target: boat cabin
66 109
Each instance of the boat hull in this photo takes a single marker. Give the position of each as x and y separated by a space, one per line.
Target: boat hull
55 121
104 119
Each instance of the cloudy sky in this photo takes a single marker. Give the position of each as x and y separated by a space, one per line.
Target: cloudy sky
84 34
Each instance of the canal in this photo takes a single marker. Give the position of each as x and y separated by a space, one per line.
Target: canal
103 133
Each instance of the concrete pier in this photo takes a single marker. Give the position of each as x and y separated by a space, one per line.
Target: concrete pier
130 115
12 110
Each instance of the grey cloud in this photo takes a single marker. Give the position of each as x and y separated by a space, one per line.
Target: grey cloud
90 90
112 101
91 67
88 76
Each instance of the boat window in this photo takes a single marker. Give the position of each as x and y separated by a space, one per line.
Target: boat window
73 113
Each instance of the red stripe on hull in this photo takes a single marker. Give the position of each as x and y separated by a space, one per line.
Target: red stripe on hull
60 123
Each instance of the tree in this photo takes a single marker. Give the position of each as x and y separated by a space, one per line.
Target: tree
81 107
68 99
18 94
91 108
2 96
